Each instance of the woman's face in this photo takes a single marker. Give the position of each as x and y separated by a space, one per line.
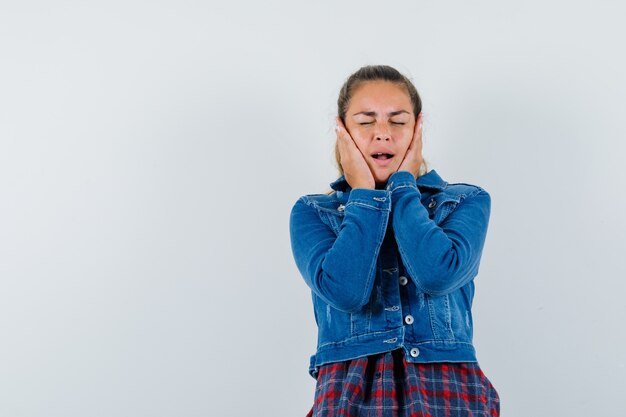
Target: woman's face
380 119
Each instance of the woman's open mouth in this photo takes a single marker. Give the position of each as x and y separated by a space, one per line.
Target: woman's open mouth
382 159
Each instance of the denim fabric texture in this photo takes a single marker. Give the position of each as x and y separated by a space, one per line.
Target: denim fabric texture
392 268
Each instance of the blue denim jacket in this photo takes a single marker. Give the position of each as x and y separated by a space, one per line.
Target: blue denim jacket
392 267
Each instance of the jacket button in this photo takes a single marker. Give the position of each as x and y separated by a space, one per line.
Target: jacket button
415 352
403 280
408 319
432 203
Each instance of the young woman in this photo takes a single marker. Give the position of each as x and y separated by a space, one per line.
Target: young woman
390 255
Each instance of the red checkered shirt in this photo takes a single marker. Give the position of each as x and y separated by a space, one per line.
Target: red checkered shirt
386 385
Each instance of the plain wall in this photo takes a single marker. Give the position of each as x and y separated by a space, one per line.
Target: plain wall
151 151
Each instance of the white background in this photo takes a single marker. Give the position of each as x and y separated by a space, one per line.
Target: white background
151 152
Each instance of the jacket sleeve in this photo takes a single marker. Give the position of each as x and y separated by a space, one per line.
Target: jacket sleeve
340 268
439 258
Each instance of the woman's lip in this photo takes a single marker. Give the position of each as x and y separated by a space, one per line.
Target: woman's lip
383 162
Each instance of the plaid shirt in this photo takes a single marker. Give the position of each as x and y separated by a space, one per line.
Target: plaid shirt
386 385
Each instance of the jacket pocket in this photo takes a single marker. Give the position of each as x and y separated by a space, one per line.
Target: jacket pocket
361 321
331 323
440 316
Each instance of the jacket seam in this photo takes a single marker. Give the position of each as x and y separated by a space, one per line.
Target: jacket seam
372 276
359 336
369 206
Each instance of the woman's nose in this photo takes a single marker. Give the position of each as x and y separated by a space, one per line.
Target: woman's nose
382 133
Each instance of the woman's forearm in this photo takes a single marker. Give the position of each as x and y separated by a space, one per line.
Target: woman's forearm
439 258
340 268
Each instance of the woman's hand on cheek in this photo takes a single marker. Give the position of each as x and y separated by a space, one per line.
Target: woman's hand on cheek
413 158
355 168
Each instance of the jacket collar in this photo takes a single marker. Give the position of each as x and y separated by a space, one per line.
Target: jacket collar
429 180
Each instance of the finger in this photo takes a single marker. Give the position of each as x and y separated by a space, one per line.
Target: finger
344 136
414 138
419 123
339 122
339 128
417 137
421 127
414 146
343 141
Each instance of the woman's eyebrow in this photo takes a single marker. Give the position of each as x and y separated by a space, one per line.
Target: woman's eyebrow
373 113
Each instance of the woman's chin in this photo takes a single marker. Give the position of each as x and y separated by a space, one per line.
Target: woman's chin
383 175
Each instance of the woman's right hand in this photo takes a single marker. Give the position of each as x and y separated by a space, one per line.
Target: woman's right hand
355 168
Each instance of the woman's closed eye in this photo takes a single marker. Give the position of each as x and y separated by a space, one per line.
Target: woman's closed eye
393 123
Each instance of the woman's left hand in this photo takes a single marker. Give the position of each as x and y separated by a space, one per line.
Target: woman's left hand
413 158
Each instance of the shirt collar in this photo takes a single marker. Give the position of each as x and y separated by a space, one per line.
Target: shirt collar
429 180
